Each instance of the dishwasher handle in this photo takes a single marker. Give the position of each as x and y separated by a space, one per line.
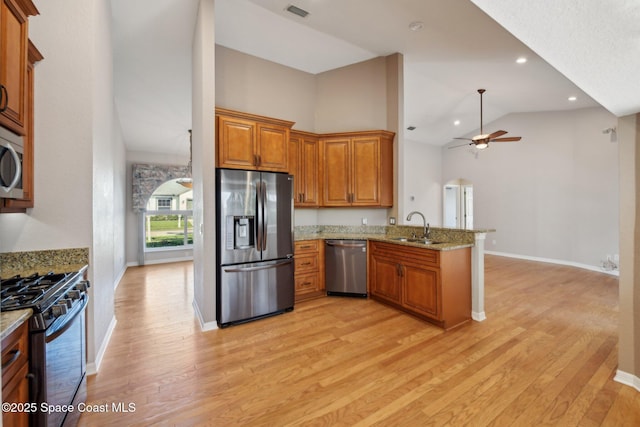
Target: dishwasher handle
345 245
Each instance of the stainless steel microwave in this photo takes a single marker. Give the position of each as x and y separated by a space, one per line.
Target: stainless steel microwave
11 151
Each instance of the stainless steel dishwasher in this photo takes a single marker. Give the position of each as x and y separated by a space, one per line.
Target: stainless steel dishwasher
346 267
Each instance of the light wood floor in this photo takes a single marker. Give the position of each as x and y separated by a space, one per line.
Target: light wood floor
546 355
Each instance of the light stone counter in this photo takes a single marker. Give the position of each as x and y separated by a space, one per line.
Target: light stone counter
42 262
11 320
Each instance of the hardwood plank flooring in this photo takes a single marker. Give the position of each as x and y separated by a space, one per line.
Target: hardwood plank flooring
546 355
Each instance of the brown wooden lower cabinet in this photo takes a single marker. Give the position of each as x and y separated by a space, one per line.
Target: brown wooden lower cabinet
433 285
309 269
15 384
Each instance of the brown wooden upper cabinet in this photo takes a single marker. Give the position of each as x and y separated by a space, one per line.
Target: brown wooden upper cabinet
357 169
27 200
14 33
249 141
304 165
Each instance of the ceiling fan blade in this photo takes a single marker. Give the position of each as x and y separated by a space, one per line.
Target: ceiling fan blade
458 146
497 134
466 139
508 139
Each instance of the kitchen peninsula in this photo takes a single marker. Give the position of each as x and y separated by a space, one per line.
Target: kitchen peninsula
444 239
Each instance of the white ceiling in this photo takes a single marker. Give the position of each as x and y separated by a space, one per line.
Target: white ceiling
596 43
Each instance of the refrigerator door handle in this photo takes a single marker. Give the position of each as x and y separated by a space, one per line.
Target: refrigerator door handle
259 214
265 216
263 267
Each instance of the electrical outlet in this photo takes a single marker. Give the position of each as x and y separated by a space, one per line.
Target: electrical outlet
364 221
392 220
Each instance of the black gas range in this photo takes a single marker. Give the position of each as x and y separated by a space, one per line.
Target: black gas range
57 352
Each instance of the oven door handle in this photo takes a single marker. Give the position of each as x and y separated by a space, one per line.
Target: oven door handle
18 171
68 322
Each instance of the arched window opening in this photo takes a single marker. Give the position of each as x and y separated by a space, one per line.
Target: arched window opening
168 217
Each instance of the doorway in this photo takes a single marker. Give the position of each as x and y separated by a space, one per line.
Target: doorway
458 204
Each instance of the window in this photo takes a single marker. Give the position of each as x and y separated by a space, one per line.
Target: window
168 218
163 203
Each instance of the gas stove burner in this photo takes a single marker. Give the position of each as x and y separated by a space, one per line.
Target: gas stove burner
21 299
31 291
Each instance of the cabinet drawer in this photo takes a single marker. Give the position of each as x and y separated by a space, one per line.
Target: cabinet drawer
14 352
306 283
306 263
303 246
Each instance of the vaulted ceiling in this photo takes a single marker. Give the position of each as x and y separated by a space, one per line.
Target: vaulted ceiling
586 49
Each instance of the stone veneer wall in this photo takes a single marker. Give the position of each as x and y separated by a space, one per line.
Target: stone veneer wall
147 177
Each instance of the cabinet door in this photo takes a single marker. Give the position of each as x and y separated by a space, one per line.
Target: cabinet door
336 162
236 143
309 172
272 148
420 291
14 33
295 168
16 390
385 278
365 172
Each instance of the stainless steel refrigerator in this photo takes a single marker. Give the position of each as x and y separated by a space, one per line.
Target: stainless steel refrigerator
254 245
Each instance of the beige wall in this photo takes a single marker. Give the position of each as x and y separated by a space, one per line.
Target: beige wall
254 85
203 104
629 329
352 97
553 195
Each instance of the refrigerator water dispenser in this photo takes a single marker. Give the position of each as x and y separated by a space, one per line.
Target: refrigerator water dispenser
240 232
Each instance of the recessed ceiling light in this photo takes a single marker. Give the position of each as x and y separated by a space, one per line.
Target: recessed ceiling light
411 128
456 123
416 25
572 98
521 60
297 11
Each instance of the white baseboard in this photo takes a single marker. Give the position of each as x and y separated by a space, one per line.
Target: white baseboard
555 261
204 326
627 379
160 261
93 367
119 278
478 316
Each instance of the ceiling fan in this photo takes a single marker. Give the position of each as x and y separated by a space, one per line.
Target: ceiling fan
482 141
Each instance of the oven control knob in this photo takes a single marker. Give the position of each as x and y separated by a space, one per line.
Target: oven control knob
63 307
68 302
82 286
60 308
73 294
57 310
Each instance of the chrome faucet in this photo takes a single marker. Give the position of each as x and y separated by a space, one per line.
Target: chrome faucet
426 232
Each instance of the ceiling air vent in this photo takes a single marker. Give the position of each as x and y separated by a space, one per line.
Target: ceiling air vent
297 11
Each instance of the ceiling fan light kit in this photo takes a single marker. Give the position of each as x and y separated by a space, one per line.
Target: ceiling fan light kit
482 140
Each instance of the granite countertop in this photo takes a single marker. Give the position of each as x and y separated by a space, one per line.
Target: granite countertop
11 320
43 262
448 239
